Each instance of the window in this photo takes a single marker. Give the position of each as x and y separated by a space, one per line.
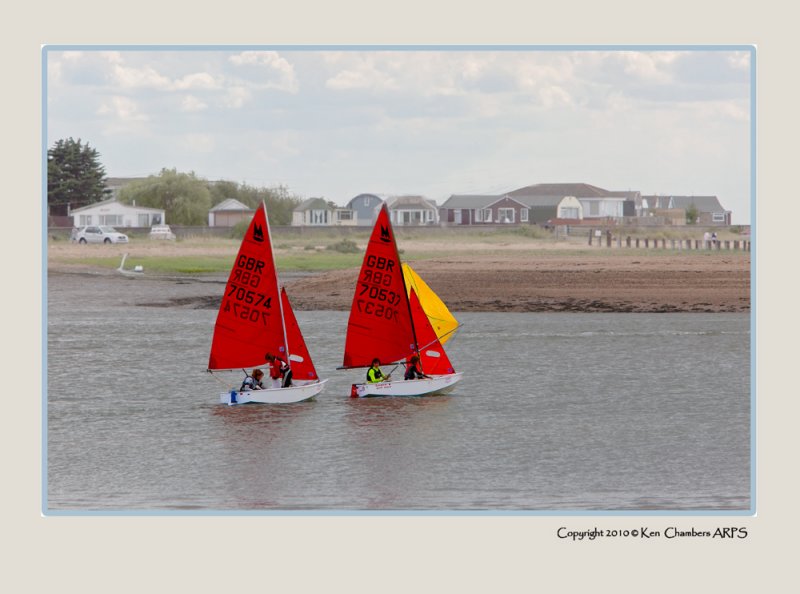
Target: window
505 215
718 217
344 215
523 215
594 208
111 220
568 213
144 220
84 220
487 215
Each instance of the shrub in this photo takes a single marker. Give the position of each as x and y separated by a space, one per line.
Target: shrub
345 246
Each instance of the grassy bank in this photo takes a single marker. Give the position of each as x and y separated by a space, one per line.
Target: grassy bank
320 254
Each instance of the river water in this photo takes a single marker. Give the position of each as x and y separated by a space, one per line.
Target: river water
557 413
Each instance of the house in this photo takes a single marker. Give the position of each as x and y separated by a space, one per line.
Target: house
467 209
709 210
471 209
412 210
116 214
313 211
597 203
228 213
544 209
365 208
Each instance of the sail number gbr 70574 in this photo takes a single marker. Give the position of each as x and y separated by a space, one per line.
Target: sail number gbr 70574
373 296
241 300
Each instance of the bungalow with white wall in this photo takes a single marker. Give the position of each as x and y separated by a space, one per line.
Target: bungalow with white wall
317 212
412 210
596 203
228 213
116 214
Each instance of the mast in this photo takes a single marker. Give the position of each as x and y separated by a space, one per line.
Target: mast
277 283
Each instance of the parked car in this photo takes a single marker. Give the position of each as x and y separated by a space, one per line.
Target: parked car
161 232
100 234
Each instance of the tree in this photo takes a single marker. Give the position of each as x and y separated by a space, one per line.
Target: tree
184 197
280 203
75 176
691 214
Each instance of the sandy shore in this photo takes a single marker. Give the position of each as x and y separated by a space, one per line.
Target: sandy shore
515 277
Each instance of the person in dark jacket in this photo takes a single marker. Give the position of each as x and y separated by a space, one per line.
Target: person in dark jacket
413 369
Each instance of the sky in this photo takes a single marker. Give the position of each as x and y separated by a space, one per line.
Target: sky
336 122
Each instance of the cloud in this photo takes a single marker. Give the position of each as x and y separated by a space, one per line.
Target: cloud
122 109
237 97
265 70
191 103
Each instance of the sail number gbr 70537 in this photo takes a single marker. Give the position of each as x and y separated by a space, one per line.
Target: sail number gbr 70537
241 300
373 296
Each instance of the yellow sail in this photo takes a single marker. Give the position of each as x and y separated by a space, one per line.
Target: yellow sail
439 316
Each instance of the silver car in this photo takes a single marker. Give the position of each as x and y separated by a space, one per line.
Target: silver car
100 234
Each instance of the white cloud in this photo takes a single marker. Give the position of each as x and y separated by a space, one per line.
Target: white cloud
198 80
237 97
190 103
135 78
265 69
122 109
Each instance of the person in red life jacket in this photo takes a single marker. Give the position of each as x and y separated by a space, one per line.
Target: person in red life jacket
413 369
374 373
278 368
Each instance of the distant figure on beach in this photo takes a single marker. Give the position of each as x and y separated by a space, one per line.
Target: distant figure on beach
714 239
253 381
412 369
374 373
706 239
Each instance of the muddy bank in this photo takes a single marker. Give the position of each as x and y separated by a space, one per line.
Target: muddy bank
584 283
511 282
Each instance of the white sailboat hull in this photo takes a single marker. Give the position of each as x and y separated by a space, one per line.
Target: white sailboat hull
437 384
290 395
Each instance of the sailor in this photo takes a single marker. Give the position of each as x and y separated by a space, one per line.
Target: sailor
253 382
413 370
278 368
374 373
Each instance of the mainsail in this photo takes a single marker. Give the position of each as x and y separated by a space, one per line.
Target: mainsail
443 322
380 320
250 322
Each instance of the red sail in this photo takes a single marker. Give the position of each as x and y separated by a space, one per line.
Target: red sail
432 358
249 321
300 359
380 323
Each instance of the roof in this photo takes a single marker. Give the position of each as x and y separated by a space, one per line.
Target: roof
313 203
231 204
579 190
531 201
470 200
416 201
702 203
113 201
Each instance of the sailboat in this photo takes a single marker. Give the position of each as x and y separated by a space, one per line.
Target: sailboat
255 317
388 322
